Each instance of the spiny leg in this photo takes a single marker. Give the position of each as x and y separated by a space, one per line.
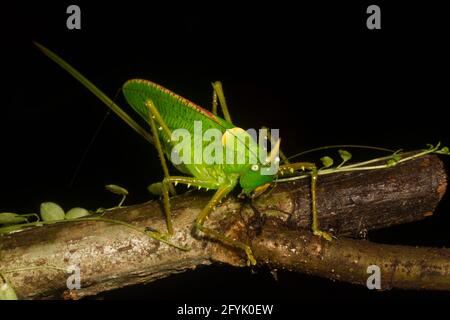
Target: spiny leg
189 181
201 218
218 93
214 102
290 169
154 115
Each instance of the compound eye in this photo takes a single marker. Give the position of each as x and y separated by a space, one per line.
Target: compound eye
255 167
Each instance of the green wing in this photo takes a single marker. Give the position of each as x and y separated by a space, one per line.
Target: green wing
176 111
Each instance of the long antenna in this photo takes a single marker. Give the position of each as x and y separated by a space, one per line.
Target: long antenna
340 146
88 148
96 91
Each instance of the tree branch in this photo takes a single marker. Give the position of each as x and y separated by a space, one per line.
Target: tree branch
276 225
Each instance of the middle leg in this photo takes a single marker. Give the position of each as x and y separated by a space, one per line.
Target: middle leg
201 218
219 95
165 189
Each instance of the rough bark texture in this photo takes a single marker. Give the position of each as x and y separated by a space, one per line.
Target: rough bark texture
276 225
348 260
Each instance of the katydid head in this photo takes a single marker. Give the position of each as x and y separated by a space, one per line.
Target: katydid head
253 182
258 177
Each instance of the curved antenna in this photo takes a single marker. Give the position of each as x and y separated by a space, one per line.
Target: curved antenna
88 148
340 146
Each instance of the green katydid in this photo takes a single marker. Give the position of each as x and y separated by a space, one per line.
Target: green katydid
165 112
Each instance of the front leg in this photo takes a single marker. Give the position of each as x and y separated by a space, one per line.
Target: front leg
289 169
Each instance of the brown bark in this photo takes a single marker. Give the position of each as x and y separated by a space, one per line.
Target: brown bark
112 256
348 260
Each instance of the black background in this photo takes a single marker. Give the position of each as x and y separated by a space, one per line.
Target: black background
313 70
